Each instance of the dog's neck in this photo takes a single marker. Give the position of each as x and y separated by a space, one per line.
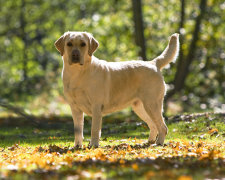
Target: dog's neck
74 70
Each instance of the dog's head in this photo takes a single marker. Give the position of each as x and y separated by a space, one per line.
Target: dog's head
76 47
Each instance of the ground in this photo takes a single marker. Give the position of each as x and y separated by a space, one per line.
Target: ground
194 149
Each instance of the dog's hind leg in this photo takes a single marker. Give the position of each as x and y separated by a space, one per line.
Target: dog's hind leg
154 110
139 109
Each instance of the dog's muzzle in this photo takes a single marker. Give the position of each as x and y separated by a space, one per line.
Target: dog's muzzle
75 56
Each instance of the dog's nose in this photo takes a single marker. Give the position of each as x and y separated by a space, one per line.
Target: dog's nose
75 54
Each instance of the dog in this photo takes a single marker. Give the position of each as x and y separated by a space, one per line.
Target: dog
97 87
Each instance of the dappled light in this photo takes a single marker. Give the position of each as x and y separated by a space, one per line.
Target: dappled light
36 125
195 149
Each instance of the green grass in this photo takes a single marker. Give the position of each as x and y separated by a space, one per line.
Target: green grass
139 162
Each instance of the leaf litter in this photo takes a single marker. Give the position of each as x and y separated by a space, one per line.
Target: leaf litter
174 154
131 157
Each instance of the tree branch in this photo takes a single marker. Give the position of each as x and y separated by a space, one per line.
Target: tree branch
18 110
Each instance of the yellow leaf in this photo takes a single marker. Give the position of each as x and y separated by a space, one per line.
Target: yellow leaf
185 178
129 148
121 161
135 167
213 131
150 174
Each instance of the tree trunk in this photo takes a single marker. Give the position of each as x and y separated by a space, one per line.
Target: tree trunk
181 27
139 28
185 62
24 38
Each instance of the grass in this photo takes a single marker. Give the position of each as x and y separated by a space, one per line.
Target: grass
194 149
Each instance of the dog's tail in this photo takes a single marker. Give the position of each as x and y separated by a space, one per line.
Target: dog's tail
170 53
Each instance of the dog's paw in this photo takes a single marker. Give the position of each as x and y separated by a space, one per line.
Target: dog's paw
152 138
77 144
151 141
160 141
78 147
91 146
94 143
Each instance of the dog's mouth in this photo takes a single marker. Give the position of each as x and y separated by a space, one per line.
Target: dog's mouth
75 60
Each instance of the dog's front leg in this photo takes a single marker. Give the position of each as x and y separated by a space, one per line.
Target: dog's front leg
78 120
96 125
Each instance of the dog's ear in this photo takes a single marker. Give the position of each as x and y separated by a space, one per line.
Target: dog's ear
59 44
92 43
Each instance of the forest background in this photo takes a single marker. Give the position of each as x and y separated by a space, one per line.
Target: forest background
30 67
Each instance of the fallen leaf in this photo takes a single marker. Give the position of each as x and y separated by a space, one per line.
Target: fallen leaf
185 178
135 167
213 131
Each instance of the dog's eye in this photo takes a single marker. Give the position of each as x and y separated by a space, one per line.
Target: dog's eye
82 44
69 44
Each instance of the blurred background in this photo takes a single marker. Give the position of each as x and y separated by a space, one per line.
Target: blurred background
30 66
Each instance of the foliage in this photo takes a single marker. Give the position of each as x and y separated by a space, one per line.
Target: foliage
194 149
30 65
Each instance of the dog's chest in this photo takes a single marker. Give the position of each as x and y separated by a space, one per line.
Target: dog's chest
78 97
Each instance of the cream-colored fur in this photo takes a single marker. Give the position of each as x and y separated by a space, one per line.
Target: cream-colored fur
97 87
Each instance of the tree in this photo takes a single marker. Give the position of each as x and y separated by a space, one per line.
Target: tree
185 62
30 65
139 28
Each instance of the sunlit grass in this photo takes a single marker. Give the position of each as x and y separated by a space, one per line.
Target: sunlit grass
122 152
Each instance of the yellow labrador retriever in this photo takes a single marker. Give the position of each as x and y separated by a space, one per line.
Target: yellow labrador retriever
97 87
